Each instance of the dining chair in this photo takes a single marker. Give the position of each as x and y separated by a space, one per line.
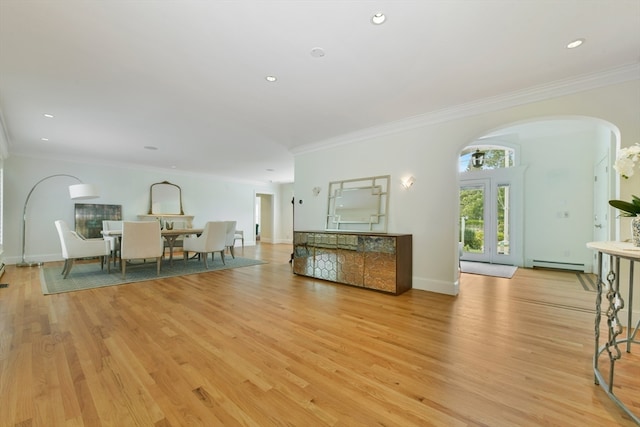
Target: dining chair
231 237
239 236
141 240
114 241
213 239
74 247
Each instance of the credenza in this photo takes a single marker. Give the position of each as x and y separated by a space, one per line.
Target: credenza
188 219
381 262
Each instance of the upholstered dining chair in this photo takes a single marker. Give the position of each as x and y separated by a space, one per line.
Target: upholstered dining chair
239 236
74 247
141 240
213 239
114 241
231 237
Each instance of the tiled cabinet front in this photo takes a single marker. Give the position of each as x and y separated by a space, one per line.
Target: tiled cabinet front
376 261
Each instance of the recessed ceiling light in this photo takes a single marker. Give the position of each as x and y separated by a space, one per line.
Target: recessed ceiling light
317 52
271 79
48 116
574 44
150 147
44 139
378 18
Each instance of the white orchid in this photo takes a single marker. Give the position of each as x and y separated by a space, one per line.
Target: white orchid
626 160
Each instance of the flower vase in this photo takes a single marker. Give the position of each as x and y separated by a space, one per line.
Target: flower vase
635 230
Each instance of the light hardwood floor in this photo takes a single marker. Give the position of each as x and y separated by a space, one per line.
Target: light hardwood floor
259 346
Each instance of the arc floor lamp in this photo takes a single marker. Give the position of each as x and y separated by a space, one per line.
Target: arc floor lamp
76 192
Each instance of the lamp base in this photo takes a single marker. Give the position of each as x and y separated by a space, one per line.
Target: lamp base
30 264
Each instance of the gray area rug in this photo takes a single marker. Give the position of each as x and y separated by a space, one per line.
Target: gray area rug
485 269
89 276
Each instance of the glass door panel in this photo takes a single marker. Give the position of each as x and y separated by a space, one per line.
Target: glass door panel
485 221
502 219
472 220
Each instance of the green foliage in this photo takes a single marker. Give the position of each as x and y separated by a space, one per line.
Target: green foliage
626 208
472 239
471 204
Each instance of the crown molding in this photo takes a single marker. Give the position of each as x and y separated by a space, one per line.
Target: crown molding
550 90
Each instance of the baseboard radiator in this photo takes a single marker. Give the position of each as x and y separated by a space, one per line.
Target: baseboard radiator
558 265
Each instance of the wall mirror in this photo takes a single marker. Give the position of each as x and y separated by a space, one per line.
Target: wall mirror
359 204
165 198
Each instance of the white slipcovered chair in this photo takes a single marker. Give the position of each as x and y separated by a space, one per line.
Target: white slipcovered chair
213 239
74 247
141 240
114 241
231 237
239 236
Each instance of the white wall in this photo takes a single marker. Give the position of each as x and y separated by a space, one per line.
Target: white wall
204 197
429 209
559 182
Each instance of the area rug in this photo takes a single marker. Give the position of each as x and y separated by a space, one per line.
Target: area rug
89 276
485 269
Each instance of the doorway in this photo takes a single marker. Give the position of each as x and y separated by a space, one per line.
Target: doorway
485 220
490 198
565 207
263 215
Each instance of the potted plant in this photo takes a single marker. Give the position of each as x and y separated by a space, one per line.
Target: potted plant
625 164
627 208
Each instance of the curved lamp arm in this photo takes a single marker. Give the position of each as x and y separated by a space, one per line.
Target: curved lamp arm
76 191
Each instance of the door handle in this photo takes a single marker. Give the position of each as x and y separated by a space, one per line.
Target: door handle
598 226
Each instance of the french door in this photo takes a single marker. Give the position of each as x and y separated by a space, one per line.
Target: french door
486 224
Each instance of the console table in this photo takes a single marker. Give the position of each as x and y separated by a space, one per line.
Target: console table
610 280
381 262
188 219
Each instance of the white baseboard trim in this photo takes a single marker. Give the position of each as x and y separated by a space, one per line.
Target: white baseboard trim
438 286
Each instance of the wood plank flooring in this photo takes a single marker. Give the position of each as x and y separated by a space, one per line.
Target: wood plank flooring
259 346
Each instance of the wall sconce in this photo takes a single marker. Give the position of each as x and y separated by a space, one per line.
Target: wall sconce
477 159
408 182
76 192
316 190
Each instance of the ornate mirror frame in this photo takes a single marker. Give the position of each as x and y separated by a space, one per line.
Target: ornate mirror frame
165 198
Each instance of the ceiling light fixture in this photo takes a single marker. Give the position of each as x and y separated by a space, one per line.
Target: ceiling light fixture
48 116
378 18
574 44
317 52
44 139
271 79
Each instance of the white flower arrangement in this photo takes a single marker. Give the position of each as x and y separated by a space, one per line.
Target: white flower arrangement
626 160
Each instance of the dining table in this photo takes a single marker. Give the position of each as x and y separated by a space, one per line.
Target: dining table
170 235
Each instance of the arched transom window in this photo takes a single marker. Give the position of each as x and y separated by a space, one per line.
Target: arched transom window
484 157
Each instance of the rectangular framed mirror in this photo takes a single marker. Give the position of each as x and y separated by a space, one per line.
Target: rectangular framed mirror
359 204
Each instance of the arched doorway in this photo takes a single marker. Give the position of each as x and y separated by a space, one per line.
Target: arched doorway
561 168
490 204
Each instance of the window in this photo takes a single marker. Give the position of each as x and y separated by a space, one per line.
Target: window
494 157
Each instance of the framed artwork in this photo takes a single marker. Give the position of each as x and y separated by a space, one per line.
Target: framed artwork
89 217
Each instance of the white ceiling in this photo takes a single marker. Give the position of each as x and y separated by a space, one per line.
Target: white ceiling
188 77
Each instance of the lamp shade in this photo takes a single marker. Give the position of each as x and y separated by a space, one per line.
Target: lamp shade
83 191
